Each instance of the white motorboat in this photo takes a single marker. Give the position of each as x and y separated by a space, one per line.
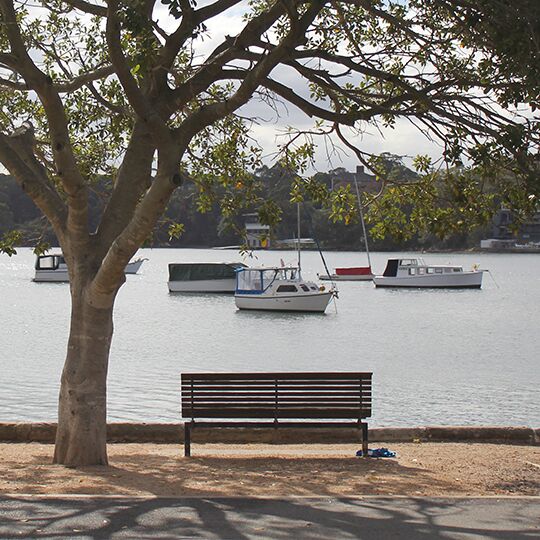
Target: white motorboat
203 277
416 273
279 289
53 268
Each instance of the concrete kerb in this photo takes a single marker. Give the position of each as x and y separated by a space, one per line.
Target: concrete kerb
174 434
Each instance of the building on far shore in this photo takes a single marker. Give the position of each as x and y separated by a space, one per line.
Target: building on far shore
504 238
257 234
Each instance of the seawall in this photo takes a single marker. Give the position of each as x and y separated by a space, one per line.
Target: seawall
174 434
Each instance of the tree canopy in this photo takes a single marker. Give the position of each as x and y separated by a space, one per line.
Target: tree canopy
146 94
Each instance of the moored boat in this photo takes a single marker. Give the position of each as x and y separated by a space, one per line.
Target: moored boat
279 289
416 273
206 277
53 268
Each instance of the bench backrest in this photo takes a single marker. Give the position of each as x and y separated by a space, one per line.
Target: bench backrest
276 395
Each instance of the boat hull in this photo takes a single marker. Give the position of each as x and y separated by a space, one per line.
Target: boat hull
52 276
203 286
315 303
459 280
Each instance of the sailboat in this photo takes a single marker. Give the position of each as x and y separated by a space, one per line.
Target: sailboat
353 273
280 288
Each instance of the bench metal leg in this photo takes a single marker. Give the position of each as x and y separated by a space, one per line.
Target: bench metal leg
187 440
364 440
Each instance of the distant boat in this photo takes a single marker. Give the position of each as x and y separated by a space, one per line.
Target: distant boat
133 267
416 273
208 277
279 289
496 245
53 268
353 273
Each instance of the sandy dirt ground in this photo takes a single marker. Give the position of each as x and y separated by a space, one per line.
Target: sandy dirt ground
278 471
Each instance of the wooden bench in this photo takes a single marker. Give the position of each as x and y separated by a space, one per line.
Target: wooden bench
291 400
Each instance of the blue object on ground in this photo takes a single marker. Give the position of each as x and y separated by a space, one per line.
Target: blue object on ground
378 452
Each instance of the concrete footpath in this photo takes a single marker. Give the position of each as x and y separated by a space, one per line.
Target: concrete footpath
91 517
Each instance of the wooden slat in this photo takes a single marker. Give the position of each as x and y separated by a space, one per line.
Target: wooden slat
278 375
272 405
282 395
281 401
270 413
287 423
268 387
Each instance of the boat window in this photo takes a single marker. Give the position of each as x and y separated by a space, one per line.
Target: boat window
456 269
252 280
313 288
438 270
48 262
286 288
200 271
407 262
430 270
412 271
305 287
421 270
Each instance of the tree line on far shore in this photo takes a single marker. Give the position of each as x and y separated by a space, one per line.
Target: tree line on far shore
210 229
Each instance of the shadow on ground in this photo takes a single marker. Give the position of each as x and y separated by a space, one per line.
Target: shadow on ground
240 518
143 474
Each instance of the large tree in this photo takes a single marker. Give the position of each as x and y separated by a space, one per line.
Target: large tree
142 94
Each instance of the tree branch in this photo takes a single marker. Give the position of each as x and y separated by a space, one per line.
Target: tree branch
17 154
136 98
67 168
87 7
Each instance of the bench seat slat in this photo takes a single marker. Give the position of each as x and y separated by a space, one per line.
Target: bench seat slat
247 405
282 400
289 376
239 412
281 395
351 385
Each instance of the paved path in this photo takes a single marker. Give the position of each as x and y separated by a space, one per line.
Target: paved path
240 518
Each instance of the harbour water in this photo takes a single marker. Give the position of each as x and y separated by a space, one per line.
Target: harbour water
449 357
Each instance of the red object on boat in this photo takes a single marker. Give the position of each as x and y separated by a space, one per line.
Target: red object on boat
354 271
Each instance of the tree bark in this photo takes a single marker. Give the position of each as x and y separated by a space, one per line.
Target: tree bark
82 412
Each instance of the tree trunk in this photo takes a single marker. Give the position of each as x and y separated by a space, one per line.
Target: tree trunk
82 410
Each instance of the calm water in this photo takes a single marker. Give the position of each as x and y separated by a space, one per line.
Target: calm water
438 357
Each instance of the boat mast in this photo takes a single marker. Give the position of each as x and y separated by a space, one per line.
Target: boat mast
362 217
298 234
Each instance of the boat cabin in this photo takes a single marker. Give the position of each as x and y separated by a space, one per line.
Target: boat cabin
50 262
281 279
416 267
202 271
